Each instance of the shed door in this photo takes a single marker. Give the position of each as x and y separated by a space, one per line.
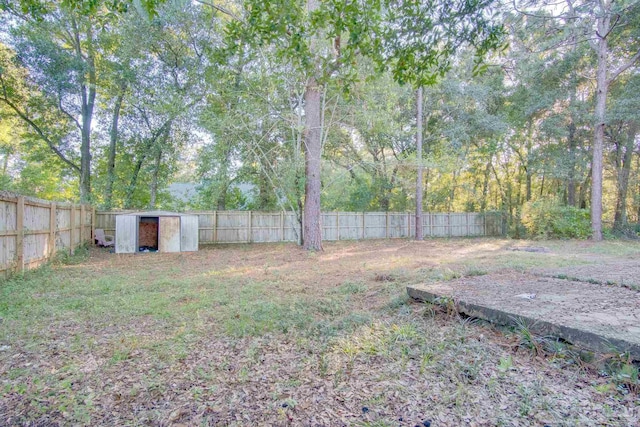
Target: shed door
169 234
126 234
189 233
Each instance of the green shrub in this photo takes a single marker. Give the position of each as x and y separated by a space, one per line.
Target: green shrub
549 219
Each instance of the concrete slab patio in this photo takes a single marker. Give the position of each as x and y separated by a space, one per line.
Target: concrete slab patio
598 317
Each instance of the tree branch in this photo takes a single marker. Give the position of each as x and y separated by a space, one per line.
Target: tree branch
39 131
69 115
624 67
219 9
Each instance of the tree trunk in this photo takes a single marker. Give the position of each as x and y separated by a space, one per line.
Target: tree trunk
584 188
161 142
221 203
313 151
113 140
223 177
419 235
571 181
620 219
485 185
598 141
638 194
85 158
264 195
128 199
88 94
5 164
528 179
153 188
312 231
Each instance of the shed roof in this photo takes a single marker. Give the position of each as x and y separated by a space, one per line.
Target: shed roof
155 213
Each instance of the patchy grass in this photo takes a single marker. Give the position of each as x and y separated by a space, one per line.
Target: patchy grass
272 335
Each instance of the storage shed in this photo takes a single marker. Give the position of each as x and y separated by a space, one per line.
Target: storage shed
156 231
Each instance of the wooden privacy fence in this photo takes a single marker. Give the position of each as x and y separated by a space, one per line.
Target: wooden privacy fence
250 226
33 230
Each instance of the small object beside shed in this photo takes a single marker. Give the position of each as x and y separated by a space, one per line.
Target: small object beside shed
153 231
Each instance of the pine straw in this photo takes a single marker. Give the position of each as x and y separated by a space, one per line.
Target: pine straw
270 335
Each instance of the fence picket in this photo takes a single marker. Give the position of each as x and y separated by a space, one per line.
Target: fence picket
244 226
29 238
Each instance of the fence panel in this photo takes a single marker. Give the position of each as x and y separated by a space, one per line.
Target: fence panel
375 225
206 226
266 227
351 225
32 230
233 226
63 229
292 229
8 235
249 226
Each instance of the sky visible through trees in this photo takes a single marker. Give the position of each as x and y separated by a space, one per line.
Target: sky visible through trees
530 108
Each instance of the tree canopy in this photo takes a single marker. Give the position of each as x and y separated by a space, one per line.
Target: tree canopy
527 107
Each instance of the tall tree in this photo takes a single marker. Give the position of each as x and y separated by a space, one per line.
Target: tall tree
58 48
611 29
324 40
419 186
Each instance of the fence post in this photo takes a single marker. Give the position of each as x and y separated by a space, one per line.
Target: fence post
93 224
72 224
386 229
484 223
20 234
52 229
215 226
430 224
449 223
249 237
408 224
281 226
364 230
81 225
467 217
338 225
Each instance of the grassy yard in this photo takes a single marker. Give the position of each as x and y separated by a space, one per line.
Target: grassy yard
272 335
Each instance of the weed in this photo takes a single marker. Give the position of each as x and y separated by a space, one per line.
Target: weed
448 304
426 360
447 274
404 332
380 277
119 356
623 372
474 272
349 288
398 301
63 257
506 364
528 339
323 365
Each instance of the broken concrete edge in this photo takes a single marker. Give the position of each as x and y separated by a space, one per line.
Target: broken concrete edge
578 337
630 286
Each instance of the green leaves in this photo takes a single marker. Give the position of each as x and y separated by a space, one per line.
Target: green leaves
416 40
421 38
